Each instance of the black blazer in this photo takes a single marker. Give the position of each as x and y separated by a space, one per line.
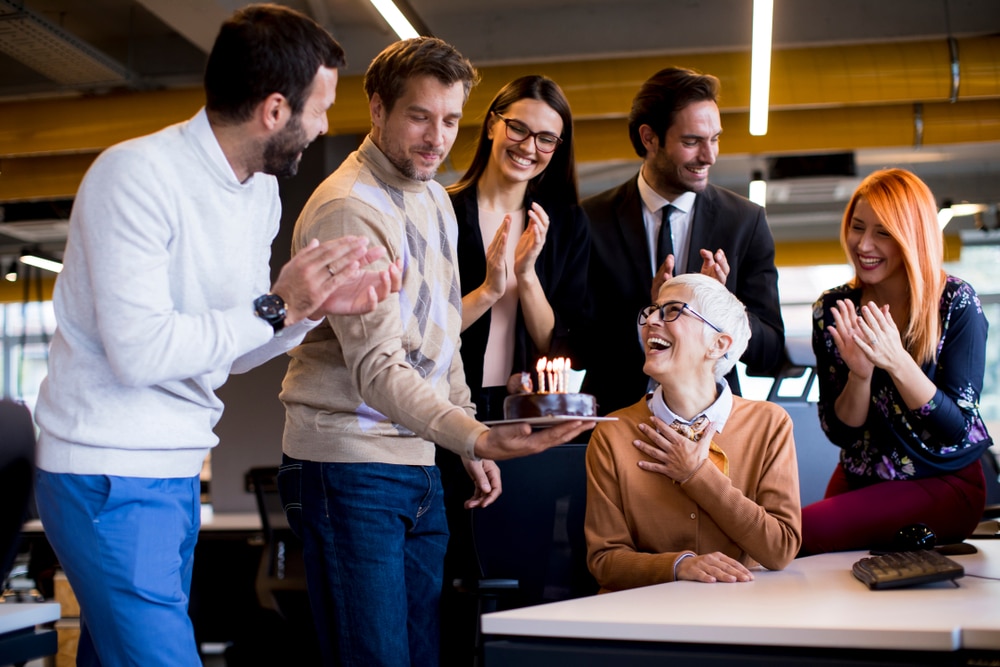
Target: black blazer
562 271
620 282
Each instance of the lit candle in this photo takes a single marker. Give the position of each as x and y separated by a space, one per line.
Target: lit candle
566 369
552 379
557 368
540 367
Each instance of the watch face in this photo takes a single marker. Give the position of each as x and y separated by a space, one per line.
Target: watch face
271 308
270 305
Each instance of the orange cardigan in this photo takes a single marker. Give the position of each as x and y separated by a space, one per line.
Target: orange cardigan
639 522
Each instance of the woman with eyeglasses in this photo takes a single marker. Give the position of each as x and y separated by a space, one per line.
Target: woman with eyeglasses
522 244
691 482
523 249
900 356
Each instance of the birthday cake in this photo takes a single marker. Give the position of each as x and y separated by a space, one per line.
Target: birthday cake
527 406
557 394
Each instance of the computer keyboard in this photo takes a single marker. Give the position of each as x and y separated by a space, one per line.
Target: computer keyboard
906 568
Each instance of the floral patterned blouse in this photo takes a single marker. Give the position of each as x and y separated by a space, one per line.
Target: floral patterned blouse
895 442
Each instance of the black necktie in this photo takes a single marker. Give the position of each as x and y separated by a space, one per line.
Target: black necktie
664 242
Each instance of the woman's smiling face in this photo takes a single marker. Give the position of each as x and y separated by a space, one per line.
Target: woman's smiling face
875 255
520 161
679 348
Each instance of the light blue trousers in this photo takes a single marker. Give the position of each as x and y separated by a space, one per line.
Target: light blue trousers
127 547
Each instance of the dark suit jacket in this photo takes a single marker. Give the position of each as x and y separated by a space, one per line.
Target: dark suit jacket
562 271
620 282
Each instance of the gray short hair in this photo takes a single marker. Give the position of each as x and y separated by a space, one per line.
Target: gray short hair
721 307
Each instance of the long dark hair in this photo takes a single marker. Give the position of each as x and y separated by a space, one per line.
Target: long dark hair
556 185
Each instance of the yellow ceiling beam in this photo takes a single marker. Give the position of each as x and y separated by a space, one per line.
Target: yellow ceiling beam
866 74
806 131
811 130
14 292
44 177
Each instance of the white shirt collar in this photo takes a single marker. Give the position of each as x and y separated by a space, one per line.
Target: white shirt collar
654 202
717 413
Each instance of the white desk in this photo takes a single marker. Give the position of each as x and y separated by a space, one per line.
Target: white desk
816 602
20 641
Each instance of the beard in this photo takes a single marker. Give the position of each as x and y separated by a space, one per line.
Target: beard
400 159
283 151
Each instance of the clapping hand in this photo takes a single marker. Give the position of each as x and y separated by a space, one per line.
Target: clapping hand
846 333
878 338
496 262
529 245
715 266
663 274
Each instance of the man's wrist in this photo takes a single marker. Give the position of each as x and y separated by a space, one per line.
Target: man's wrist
271 308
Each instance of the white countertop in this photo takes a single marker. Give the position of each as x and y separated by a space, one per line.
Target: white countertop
815 602
20 615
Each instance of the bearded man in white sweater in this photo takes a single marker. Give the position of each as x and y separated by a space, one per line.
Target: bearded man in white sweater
166 291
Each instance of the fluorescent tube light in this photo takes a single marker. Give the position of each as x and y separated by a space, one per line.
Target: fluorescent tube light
395 19
760 66
42 262
758 190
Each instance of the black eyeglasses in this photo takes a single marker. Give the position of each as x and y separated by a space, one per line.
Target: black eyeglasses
545 142
670 311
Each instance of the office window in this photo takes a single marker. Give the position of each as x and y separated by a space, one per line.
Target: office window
27 329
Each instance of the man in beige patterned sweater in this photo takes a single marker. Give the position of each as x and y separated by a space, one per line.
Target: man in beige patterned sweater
367 398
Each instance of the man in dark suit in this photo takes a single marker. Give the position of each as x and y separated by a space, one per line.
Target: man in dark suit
674 126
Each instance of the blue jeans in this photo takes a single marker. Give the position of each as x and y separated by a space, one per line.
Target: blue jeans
374 537
127 547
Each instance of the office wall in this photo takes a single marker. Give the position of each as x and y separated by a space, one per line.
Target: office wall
251 426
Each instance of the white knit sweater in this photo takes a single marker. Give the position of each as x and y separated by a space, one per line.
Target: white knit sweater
154 308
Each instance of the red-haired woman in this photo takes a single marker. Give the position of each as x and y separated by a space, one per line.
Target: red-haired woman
900 354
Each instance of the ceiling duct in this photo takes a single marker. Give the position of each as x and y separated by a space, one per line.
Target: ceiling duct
53 52
811 179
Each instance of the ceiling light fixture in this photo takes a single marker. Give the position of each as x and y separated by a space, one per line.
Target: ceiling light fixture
11 275
41 261
758 189
399 24
949 210
760 66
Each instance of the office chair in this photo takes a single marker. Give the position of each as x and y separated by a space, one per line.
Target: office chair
817 457
17 464
282 630
530 544
281 580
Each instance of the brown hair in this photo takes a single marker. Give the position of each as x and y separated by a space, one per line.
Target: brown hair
391 69
662 96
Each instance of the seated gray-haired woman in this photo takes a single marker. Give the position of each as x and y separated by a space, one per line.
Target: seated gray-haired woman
692 482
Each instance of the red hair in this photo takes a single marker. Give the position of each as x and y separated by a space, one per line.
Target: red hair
906 209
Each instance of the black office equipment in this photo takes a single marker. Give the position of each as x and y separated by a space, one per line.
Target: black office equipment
899 569
17 463
914 537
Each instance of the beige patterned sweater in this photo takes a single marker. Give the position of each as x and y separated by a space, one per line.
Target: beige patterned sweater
383 387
